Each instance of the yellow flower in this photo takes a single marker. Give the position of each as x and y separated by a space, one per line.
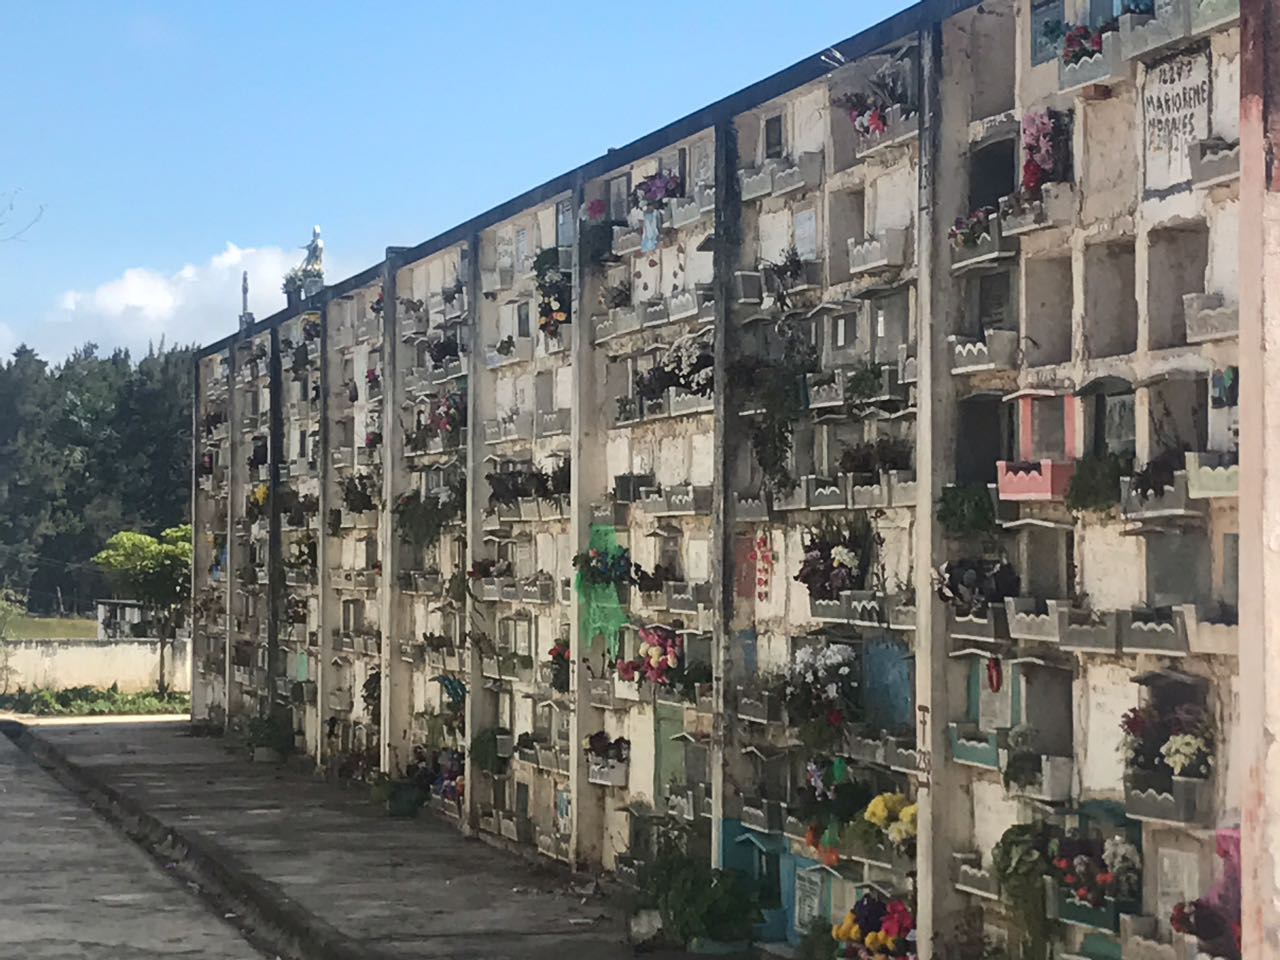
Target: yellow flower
849 931
900 832
908 816
884 809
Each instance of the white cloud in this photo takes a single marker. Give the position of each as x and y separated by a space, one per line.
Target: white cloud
199 303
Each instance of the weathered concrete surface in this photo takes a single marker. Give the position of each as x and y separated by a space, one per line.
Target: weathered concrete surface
395 888
70 886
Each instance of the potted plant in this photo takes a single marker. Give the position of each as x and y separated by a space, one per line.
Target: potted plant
1168 760
820 693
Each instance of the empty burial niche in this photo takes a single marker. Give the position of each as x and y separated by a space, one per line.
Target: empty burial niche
984 434
848 218
1177 412
1176 262
992 173
992 49
1048 320
1111 308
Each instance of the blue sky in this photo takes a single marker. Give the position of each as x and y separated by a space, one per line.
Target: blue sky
174 144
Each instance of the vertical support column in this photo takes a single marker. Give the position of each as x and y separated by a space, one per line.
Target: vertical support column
1259 474
941 152
235 507
275 568
196 688
724 256
474 466
323 579
397 676
588 481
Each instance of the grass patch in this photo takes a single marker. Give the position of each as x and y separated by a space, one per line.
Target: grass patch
25 627
92 702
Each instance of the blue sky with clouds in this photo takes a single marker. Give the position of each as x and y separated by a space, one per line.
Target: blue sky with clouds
173 144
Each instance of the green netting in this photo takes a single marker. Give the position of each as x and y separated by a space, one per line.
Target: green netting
602 613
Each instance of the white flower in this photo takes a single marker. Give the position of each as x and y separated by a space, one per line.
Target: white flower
1120 855
1182 751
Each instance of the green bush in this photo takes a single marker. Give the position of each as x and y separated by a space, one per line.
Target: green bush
92 702
696 901
966 511
1095 485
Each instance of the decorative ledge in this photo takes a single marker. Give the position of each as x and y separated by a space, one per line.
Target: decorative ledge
1054 785
988 628
755 183
1036 620
1142 34
626 240
1170 502
1036 480
1105 67
751 507
884 251
1213 162
1210 14
804 174
607 773
1171 800
1055 208
619 320
969 876
972 747
1086 631
1140 632
899 127
990 247
998 352
1212 474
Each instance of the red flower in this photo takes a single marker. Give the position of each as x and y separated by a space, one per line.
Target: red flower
1082 893
1070 879
1062 863
1106 879
1032 179
835 717
898 921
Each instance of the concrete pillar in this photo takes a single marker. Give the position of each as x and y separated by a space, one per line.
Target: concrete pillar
275 568
589 482
397 676
943 189
475 473
725 256
328 616
1260 473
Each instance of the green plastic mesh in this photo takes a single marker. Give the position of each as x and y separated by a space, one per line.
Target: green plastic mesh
602 613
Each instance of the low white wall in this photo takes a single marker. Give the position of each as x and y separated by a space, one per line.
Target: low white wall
132 664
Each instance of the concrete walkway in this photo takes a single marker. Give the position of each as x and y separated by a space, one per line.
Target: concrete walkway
322 857
71 886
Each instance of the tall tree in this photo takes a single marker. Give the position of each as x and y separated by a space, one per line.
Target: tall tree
156 572
90 446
